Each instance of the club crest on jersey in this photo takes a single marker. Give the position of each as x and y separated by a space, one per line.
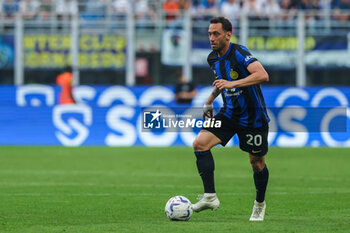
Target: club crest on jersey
233 74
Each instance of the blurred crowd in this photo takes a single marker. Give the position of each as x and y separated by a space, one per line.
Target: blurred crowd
149 9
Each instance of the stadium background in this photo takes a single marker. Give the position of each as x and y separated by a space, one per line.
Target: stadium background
127 55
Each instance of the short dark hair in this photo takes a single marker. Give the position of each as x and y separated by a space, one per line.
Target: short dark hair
226 24
68 68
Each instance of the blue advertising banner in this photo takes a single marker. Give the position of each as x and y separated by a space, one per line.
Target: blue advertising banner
113 116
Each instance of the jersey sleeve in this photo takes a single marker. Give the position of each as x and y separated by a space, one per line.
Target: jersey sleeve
244 57
211 58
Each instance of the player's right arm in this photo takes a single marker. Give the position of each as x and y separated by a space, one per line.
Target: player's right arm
213 95
208 107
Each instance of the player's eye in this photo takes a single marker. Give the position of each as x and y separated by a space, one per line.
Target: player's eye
213 33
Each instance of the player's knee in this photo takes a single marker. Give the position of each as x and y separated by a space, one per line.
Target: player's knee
198 145
258 163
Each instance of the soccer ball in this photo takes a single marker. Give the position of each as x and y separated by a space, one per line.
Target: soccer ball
178 208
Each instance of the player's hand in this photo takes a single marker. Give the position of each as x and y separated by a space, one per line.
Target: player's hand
222 83
207 111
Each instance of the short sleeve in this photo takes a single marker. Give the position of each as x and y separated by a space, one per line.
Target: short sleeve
244 57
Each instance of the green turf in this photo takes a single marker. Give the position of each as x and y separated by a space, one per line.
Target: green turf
100 189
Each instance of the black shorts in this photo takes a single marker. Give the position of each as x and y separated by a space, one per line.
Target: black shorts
251 140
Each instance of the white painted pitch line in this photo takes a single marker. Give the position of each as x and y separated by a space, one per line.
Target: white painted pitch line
272 190
89 172
152 174
78 184
156 194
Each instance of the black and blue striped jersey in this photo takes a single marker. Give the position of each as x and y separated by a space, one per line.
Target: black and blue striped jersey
244 105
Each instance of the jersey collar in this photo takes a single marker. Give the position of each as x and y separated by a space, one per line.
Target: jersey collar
223 57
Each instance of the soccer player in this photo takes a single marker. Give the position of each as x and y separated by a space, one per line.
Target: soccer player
65 80
238 75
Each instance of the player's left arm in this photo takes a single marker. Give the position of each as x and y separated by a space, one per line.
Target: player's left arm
257 75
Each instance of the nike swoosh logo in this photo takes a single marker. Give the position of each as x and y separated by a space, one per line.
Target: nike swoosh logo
256 151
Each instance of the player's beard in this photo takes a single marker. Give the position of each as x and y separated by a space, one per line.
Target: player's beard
220 46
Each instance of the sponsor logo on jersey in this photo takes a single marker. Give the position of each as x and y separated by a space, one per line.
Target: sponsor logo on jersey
232 92
247 58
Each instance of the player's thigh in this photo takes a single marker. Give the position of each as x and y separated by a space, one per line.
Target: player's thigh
205 140
226 130
254 140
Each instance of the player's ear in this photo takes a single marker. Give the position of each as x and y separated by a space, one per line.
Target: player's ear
228 36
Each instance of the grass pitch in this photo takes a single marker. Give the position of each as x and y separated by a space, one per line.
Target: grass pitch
100 189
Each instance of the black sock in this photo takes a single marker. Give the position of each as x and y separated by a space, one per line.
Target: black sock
205 165
260 179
